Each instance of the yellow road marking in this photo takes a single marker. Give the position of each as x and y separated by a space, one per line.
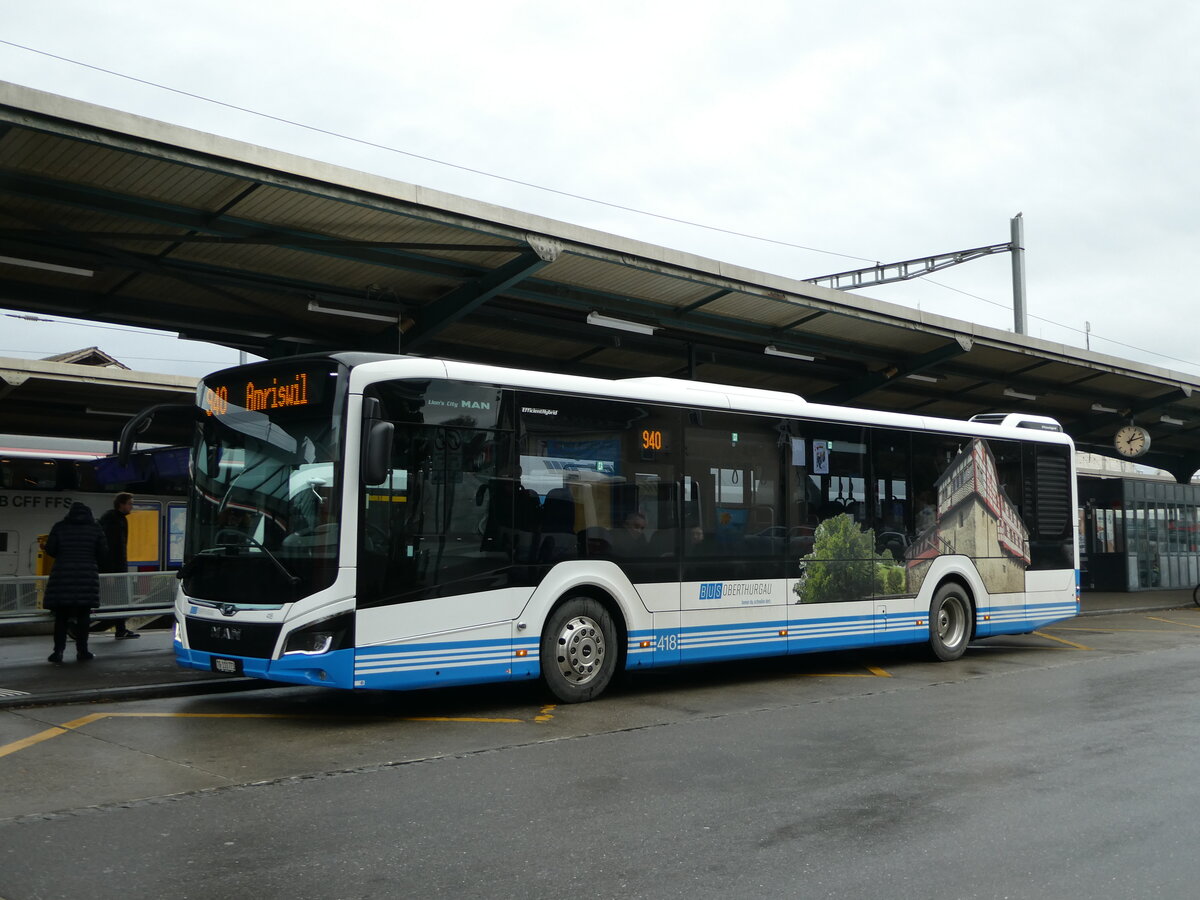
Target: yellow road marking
31 740
872 672
1169 622
1051 637
76 724
546 714
476 719
1106 630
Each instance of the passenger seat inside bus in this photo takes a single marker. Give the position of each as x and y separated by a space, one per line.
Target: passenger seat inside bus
558 527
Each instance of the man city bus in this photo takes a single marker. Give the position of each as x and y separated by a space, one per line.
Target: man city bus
372 522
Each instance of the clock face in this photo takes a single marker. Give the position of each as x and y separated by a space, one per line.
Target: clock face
1132 441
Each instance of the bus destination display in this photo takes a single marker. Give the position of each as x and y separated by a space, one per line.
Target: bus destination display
265 392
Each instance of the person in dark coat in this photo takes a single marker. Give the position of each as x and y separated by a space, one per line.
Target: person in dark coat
73 590
115 523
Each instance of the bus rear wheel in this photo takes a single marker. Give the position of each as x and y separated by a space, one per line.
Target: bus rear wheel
949 622
579 650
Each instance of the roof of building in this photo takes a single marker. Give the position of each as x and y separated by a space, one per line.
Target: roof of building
88 356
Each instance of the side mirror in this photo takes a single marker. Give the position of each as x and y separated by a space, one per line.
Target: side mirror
376 462
143 420
377 452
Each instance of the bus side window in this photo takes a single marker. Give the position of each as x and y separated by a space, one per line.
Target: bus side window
892 500
838 471
733 507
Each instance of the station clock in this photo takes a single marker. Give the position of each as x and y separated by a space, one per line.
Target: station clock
1132 441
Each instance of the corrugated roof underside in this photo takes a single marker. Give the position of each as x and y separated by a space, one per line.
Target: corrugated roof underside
90 165
769 311
622 280
296 211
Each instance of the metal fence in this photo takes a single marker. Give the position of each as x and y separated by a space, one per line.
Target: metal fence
135 593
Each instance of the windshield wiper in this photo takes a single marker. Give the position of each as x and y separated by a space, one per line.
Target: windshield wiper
246 470
223 550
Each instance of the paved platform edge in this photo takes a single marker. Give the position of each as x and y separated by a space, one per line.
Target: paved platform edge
137 692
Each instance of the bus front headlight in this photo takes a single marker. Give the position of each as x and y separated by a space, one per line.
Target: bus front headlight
335 633
310 643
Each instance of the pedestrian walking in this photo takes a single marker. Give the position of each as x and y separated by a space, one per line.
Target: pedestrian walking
77 544
115 523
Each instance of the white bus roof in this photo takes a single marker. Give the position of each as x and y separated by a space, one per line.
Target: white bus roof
678 392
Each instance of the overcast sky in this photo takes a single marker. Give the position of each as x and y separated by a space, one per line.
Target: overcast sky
868 131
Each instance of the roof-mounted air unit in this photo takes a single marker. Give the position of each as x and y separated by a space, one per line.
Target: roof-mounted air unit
1018 420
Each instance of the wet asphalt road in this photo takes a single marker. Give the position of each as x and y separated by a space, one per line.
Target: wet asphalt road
1053 765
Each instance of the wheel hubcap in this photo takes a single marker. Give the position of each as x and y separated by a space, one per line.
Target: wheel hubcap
580 649
951 622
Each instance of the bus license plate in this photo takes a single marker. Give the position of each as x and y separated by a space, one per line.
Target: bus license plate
226 666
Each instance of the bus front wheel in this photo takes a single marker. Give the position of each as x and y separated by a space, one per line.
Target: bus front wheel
949 622
579 651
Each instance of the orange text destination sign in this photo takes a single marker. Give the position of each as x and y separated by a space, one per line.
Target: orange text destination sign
264 392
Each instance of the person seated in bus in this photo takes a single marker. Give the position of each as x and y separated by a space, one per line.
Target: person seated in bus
698 543
630 538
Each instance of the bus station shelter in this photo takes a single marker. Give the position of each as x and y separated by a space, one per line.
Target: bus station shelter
115 218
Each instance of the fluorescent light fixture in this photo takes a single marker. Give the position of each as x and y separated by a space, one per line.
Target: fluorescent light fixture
1100 407
595 318
45 266
1170 420
315 306
772 350
1009 392
932 379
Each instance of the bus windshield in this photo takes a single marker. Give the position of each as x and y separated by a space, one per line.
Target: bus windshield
264 514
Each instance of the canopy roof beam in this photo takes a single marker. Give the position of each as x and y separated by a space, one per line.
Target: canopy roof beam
845 393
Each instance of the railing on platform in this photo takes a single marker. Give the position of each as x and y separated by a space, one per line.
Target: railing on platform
133 594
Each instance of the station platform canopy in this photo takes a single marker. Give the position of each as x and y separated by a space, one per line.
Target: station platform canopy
85 402
116 218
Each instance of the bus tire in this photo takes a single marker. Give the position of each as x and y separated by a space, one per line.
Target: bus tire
950 621
579 650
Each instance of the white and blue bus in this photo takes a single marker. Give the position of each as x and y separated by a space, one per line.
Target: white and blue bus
371 522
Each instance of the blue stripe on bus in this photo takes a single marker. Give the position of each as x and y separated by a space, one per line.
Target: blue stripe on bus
445 663
418 665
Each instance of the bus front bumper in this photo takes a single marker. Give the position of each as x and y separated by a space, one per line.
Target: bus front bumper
333 669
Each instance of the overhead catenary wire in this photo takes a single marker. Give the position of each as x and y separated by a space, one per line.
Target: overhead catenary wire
531 185
316 129
1080 331
77 323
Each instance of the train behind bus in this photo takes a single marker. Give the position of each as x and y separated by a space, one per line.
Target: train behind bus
369 522
41 477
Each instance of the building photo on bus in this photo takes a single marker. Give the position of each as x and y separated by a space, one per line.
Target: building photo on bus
363 521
